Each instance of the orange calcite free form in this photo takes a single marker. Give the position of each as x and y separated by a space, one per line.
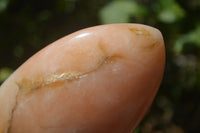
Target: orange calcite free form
101 79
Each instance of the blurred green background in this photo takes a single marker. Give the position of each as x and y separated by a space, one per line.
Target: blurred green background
26 26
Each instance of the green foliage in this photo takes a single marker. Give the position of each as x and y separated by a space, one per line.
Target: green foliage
65 5
137 130
5 73
3 5
120 11
169 11
192 37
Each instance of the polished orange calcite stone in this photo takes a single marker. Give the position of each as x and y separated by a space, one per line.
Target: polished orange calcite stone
98 80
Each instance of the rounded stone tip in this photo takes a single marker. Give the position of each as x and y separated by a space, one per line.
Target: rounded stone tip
97 80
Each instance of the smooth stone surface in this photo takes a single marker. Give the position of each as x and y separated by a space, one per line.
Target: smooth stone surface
98 80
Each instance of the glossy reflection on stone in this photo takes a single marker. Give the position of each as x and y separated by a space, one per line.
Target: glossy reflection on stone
98 80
